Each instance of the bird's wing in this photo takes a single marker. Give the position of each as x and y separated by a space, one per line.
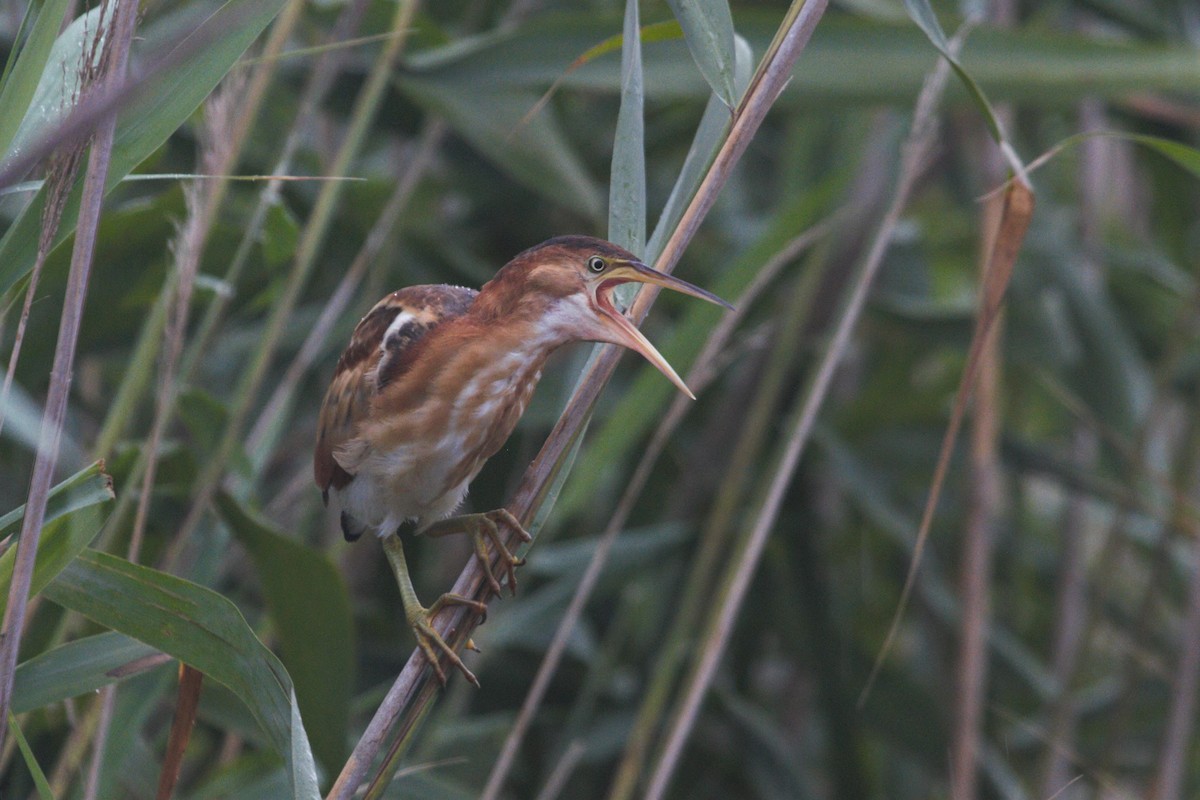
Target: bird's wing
372 360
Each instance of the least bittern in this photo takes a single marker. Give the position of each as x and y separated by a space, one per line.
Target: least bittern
434 381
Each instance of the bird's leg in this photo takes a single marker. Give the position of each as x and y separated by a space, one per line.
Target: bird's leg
483 528
420 618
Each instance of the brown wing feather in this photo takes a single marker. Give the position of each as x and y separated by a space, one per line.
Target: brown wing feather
374 358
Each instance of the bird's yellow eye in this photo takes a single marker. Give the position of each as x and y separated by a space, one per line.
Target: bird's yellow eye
596 264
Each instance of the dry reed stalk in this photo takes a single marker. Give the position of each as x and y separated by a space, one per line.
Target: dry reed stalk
216 154
312 239
455 624
741 568
703 371
114 62
975 569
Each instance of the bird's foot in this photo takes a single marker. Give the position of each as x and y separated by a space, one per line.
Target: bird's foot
431 642
484 529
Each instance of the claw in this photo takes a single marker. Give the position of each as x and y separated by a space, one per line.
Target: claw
490 529
428 638
484 529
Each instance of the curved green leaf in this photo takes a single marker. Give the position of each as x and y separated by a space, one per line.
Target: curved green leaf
74 516
708 31
922 14
201 628
39 776
311 610
87 487
75 668
22 82
164 102
57 88
627 185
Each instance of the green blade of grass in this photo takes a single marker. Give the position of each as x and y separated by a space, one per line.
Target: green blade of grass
627 183
164 102
309 605
74 515
21 83
922 14
76 668
39 777
708 30
201 628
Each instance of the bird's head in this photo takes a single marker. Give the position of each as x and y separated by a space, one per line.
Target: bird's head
567 284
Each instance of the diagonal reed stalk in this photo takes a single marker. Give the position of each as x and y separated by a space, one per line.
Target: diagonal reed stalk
202 200
741 568
455 625
264 69
976 567
119 35
702 372
366 107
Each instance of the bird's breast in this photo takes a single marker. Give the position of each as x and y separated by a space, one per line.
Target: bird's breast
424 454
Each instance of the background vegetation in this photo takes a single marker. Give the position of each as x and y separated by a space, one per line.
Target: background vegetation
1051 646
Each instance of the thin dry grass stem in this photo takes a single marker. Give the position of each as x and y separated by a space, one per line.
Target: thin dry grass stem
1071 611
320 80
742 567
562 771
215 150
114 63
380 234
90 114
984 499
702 372
1014 222
763 400
455 625
366 107
976 566
1070 619
1173 752
216 153
60 177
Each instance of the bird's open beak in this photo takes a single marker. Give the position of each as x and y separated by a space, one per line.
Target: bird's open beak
624 331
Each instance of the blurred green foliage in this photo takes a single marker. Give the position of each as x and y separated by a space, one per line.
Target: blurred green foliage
1097 396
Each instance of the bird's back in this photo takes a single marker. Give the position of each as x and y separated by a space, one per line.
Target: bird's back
379 352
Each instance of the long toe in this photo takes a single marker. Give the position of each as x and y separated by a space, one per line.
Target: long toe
508 562
434 647
510 519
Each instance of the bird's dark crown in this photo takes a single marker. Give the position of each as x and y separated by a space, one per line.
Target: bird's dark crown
575 244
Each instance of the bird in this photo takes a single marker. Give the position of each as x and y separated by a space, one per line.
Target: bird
434 381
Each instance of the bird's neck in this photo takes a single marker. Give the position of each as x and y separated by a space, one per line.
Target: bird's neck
529 321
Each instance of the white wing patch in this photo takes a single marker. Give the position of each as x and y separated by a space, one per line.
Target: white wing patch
402 319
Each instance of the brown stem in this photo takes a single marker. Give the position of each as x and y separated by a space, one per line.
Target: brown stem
763 91
115 62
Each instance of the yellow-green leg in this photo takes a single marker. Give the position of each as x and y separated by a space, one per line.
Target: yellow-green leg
484 528
419 617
